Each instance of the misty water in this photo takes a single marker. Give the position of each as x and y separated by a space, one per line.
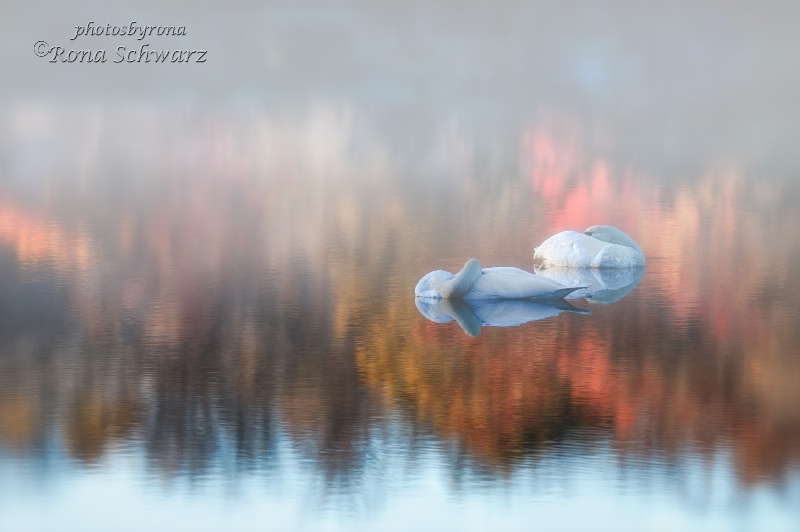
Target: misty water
207 312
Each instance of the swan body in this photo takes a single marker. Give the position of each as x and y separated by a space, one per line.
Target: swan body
474 282
600 246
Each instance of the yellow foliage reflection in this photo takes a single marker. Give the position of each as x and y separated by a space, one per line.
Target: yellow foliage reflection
258 277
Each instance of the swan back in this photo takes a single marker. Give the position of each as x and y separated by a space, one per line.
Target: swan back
514 283
426 287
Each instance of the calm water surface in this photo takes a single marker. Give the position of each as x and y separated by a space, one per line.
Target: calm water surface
207 317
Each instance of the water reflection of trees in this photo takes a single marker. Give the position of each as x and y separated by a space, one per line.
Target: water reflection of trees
259 294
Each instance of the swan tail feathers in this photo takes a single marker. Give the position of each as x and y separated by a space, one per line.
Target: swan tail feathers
564 292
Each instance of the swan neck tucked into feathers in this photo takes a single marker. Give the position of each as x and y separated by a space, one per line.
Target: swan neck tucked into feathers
459 285
612 235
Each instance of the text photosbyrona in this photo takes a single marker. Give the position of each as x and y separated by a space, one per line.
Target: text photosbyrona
143 52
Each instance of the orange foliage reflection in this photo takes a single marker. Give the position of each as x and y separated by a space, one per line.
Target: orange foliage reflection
701 357
39 241
274 287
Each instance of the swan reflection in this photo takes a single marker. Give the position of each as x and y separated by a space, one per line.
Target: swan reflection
471 315
602 285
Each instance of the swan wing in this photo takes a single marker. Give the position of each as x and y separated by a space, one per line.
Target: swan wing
617 256
514 283
569 248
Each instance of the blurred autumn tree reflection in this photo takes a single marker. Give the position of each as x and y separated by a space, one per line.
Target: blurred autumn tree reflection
256 279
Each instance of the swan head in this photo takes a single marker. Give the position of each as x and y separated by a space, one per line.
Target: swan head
612 235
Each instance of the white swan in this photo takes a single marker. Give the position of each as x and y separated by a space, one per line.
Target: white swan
603 285
600 246
471 315
474 282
